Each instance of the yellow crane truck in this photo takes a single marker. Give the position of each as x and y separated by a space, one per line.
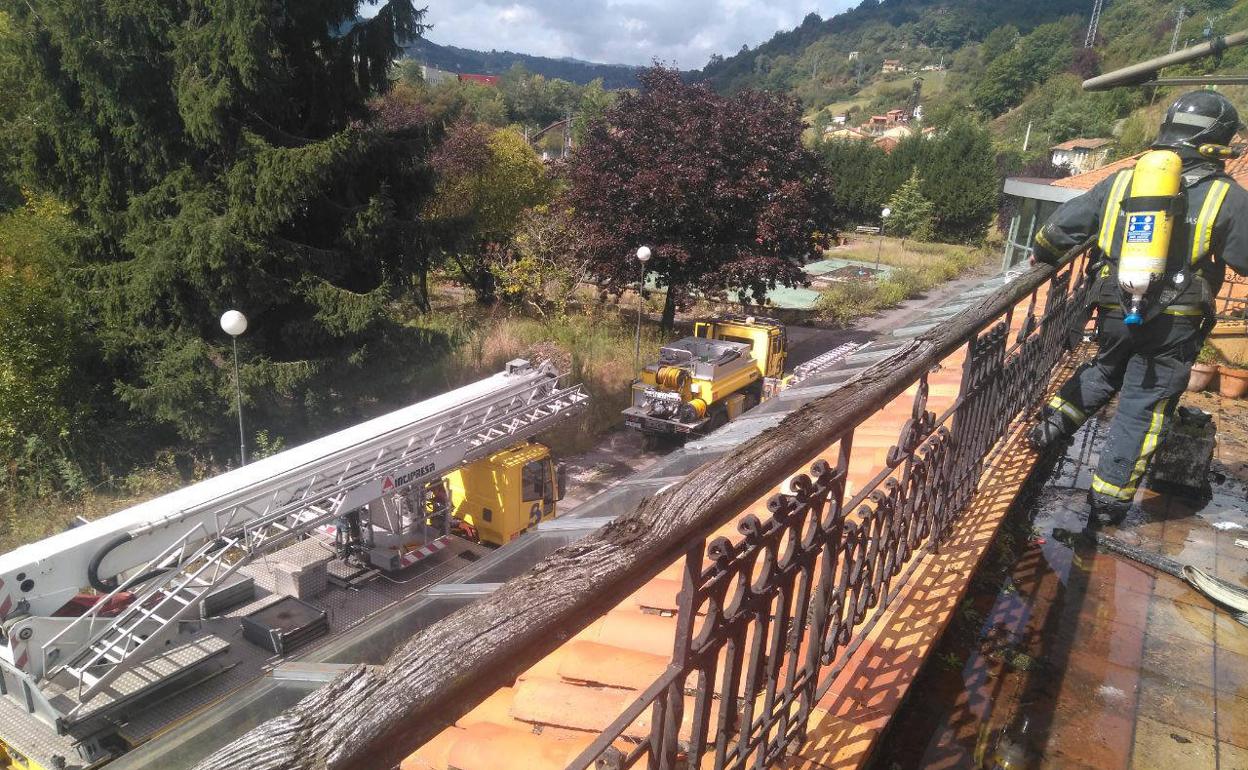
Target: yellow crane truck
701 382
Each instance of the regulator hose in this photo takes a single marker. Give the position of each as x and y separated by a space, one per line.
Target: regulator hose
110 585
93 566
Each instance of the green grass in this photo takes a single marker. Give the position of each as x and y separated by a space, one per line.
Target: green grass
933 83
918 267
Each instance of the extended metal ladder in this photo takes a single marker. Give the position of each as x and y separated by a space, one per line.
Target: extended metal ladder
270 518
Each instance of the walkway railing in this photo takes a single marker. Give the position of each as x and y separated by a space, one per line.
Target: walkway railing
763 623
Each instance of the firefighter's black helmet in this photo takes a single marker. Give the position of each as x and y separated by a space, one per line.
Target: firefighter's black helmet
1199 118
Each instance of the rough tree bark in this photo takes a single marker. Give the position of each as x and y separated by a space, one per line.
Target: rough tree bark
374 717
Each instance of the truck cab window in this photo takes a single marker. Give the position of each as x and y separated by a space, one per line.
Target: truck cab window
533 480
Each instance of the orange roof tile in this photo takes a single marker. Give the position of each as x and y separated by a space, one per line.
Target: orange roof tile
434 754
495 709
595 663
641 631
490 747
568 705
1082 144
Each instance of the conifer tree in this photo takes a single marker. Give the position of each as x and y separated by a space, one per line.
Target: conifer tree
960 179
229 154
911 215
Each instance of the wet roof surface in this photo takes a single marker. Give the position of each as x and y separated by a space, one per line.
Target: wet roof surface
1111 664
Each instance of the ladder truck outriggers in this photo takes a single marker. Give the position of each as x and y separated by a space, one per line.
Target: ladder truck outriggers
374 493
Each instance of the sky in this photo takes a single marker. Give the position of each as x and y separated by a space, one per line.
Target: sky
683 33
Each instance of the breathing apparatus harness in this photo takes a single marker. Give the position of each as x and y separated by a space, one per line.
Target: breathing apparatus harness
1151 273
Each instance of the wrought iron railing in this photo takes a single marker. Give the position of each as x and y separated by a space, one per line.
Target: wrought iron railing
764 624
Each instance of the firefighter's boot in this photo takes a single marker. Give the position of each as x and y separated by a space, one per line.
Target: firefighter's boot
1104 509
1052 429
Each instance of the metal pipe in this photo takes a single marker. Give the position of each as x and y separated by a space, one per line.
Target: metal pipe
1137 74
1210 80
641 301
238 396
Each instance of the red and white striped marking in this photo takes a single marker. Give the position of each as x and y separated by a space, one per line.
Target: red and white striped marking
425 551
6 603
20 656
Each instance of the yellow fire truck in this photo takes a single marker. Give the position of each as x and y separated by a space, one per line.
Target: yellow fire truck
701 382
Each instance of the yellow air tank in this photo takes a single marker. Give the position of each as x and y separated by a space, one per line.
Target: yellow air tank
1150 222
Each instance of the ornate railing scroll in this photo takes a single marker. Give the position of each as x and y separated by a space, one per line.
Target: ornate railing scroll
766 622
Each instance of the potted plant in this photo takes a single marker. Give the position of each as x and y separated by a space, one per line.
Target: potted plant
1233 377
1205 369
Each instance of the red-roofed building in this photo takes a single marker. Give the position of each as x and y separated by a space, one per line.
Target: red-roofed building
485 80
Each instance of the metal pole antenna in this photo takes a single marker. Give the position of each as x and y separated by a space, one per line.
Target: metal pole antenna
641 288
238 401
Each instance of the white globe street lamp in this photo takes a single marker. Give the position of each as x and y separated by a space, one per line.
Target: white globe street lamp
884 215
643 256
234 323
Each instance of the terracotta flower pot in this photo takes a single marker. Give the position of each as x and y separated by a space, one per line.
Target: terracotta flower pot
1201 377
1232 382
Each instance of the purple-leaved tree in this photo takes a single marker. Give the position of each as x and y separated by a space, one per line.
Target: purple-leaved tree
721 188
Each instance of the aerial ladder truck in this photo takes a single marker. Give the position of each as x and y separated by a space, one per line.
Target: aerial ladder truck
371 492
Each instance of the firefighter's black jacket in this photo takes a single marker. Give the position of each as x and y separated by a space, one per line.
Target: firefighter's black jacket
1077 220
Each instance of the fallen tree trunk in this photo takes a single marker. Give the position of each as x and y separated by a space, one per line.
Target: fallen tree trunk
374 717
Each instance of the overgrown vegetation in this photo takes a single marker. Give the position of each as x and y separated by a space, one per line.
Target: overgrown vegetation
917 268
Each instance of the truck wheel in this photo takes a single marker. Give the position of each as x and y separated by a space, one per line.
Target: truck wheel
649 442
719 418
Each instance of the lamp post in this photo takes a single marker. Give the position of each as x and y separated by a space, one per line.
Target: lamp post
234 323
884 215
643 256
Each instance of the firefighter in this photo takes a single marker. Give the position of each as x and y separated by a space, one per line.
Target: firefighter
1148 341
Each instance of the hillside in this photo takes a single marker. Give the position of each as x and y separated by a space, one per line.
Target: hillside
455 59
1011 63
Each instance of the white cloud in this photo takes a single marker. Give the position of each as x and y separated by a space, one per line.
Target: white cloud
680 32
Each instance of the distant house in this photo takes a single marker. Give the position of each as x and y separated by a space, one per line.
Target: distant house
434 76
853 56
1081 155
892 65
485 80
880 123
839 120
